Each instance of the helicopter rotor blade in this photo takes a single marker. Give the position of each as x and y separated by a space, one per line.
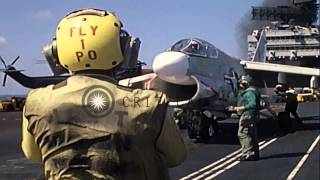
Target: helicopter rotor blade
14 61
3 62
4 80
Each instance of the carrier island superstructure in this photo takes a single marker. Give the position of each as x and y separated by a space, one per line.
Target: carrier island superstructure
292 37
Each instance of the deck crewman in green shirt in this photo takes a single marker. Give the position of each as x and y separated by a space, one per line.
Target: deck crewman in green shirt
248 105
89 127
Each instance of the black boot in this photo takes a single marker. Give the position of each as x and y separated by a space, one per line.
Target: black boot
248 158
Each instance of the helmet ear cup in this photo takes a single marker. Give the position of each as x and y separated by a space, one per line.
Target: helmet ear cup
51 54
130 50
124 38
55 51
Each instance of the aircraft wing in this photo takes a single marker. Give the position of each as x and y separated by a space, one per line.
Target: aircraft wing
270 67
267 75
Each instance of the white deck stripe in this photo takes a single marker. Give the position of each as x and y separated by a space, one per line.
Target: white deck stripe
237 162
209 166
217 167
215 163
302 161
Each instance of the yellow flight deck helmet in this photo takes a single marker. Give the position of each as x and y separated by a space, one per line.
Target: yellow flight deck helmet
89 39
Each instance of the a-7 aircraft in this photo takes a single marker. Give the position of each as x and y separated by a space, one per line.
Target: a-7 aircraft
196 76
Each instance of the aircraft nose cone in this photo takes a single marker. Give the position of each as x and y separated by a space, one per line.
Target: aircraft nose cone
172 67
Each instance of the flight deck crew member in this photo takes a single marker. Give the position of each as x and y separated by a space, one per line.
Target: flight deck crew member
248 106
292 105
88 127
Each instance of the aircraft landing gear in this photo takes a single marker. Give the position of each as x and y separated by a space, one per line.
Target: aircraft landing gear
202 125
209 127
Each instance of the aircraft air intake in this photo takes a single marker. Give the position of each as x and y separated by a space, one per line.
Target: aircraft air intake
173 67
180 95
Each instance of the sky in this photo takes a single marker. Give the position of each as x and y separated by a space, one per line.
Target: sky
26 26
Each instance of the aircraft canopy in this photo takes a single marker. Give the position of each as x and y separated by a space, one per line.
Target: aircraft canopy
196 47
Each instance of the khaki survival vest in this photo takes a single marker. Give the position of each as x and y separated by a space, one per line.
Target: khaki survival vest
79 140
